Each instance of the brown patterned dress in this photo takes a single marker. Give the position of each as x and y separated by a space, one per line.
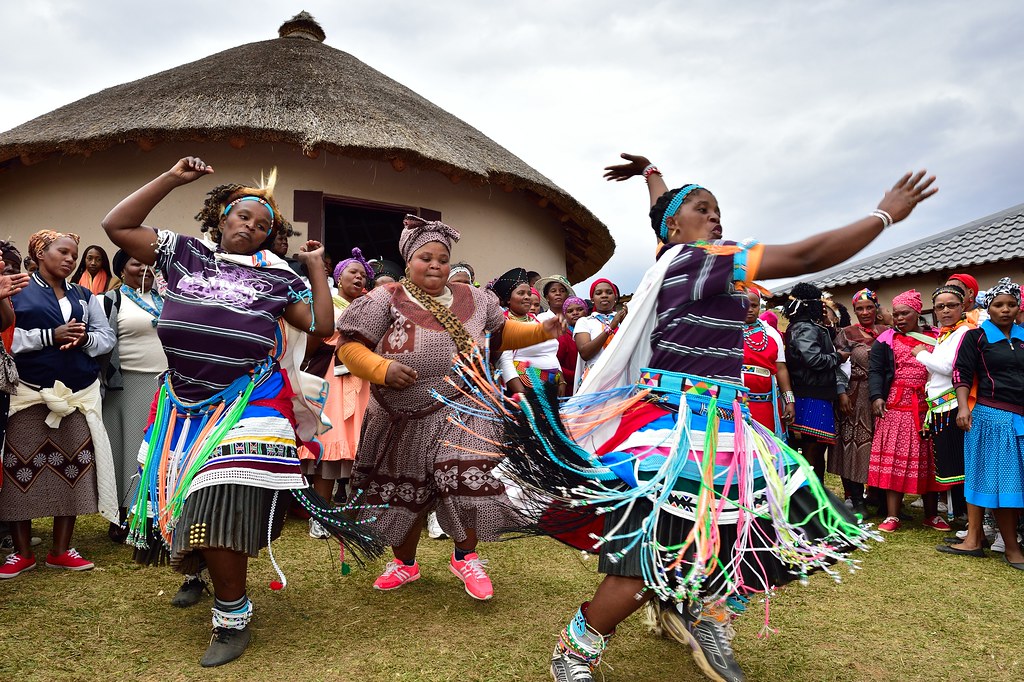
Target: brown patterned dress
852 453
411 457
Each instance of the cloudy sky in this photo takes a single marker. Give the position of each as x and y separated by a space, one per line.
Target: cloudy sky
796 114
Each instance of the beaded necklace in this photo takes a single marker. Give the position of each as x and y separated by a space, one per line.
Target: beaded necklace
136 298
748 337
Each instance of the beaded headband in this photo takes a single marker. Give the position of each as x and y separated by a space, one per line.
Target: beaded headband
673 206
249 197
949 289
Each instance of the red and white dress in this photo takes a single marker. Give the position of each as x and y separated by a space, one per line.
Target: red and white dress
763 349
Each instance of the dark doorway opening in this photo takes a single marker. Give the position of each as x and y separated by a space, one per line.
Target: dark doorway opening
373 227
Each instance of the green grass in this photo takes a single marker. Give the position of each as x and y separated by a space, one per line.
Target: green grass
910 614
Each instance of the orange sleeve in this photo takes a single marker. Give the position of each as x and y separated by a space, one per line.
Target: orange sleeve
515 335
754 255
363 362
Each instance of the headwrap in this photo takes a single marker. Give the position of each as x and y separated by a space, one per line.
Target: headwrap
771 318
417 232
357 257
42 239
603 281
949 289
865 295
386 268
119 262
574 300
457 268
911 299
504 285
1003 286
971 282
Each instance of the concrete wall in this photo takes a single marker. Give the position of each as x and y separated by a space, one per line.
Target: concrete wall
499 229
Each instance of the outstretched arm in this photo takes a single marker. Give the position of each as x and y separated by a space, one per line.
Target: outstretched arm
833 247
124 222
814 253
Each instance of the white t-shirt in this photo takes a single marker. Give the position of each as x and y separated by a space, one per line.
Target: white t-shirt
593 326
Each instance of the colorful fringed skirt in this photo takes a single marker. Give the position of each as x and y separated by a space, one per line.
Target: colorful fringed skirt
217 475
688 493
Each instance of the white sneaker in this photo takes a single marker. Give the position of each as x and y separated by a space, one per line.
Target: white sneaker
999 545
918 503
942 508
317 531
434 530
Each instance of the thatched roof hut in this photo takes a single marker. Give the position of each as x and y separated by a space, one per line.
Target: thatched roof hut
295 90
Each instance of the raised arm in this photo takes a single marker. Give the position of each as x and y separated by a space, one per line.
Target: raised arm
830 248
637 165
123 224
820 251
317 319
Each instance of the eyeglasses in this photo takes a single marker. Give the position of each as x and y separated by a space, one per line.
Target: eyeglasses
946 306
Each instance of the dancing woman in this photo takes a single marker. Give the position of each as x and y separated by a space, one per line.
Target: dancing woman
698 503
222 442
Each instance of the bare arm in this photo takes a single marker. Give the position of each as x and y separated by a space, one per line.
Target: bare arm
815 253
318 320
833 247
123 224
635 165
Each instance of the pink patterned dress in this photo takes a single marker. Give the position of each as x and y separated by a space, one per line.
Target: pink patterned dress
901 460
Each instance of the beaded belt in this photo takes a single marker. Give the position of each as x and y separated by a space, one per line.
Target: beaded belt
758 371
699 389
546 376
944 399
761 397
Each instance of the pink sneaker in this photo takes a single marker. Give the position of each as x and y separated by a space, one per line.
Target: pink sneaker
937 523
471 572
16 565
397 574
70 560
891 524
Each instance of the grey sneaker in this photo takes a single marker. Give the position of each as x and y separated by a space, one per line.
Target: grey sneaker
190 592
226 645
709 633
570 667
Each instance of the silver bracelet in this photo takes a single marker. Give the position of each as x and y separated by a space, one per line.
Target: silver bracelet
883 216
788 398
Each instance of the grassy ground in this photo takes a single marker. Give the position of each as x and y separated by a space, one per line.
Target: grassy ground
911 614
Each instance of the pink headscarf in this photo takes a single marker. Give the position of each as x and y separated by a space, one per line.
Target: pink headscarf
911 299
771 318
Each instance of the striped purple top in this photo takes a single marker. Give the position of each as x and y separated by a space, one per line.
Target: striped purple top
699 330
219 318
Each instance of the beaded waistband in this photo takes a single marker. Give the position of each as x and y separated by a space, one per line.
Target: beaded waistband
758 371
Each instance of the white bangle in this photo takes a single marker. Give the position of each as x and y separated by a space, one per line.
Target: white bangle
883 216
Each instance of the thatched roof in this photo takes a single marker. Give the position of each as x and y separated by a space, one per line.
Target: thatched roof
299 91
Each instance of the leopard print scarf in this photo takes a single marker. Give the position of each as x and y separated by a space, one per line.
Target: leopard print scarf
464 343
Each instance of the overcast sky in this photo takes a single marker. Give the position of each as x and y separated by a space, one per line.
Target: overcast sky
797 115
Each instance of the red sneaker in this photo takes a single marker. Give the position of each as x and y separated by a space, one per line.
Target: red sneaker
937 523
891 524
397 574
71 560
471 572
16 565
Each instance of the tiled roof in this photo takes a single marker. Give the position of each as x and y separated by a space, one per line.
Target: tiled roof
994 238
